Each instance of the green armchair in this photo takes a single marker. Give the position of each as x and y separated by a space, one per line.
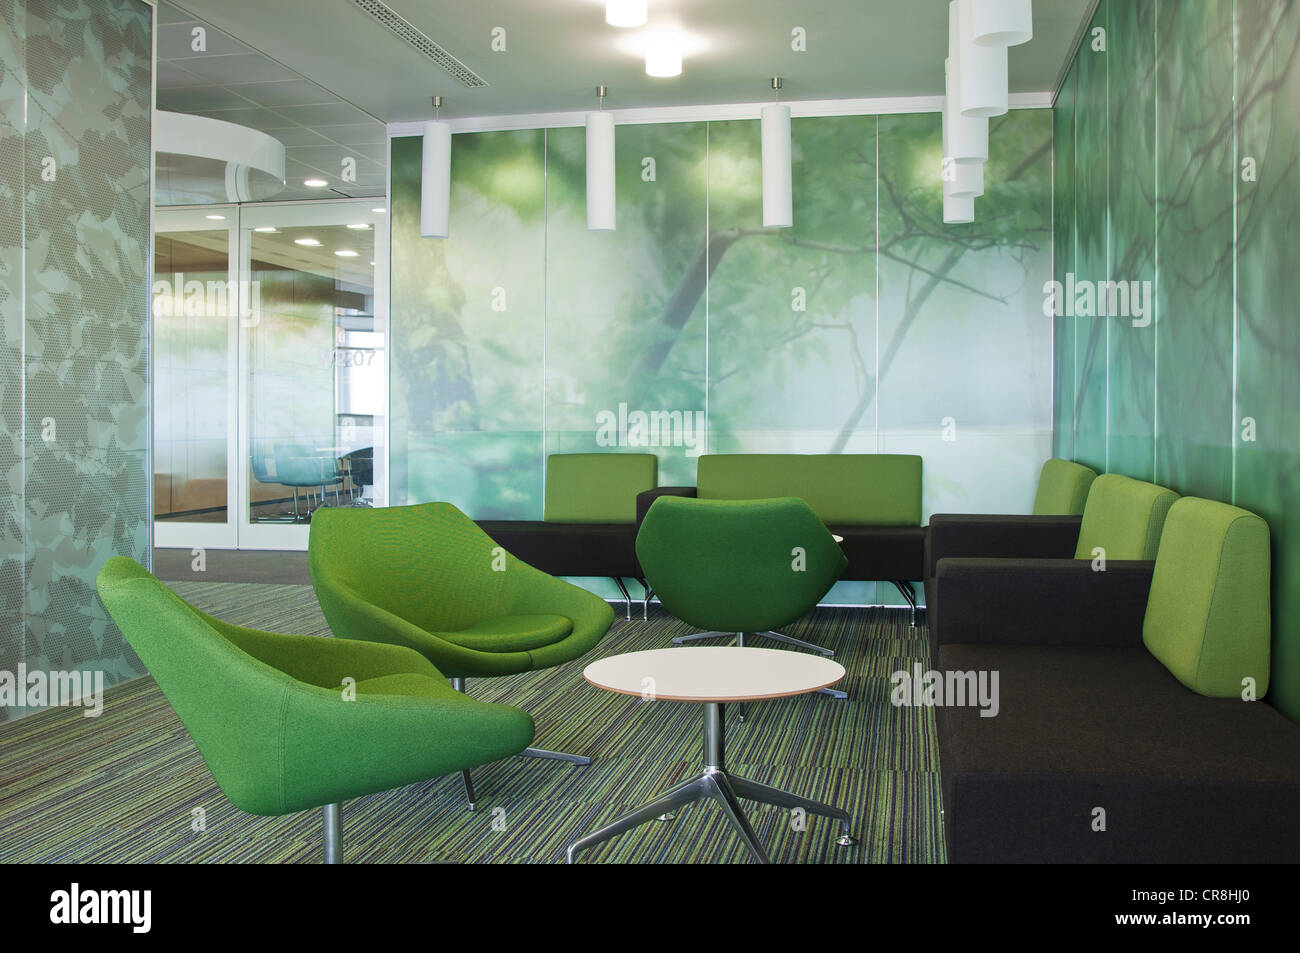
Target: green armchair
275 721
739 567
427 578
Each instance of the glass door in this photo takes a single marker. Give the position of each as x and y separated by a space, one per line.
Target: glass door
196 308
313 381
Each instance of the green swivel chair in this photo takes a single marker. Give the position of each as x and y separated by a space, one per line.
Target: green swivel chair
739 567
277 724
427 578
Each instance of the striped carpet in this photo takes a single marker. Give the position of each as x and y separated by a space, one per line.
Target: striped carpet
129 786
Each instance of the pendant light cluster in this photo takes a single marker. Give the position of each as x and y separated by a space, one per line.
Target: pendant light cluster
975 89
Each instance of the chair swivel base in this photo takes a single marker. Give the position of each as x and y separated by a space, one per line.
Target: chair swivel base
740 637
579 759
718 784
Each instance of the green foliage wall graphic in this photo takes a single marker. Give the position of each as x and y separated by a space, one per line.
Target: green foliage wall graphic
863 328
1175 155
75 103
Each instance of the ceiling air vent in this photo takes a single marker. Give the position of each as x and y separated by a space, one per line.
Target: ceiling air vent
395 24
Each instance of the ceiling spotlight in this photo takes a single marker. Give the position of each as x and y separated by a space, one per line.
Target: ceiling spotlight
216 218
346 253
359 226
379 211
663 54
306 242
265 228
315 183
625 12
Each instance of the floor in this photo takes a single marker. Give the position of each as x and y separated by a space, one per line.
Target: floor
130 786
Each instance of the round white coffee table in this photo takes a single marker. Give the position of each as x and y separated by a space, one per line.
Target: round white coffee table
714 676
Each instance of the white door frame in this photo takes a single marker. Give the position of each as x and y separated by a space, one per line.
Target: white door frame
250 535
177 533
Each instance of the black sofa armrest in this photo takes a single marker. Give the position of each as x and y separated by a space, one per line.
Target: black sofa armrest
1008 537
1042 601
645 498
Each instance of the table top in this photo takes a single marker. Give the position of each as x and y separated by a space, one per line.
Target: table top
713 674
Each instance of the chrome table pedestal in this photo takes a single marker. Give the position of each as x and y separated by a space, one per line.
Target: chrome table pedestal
722 786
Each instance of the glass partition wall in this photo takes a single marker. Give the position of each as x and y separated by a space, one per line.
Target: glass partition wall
272 385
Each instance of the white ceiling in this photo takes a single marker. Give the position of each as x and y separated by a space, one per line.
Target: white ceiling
557 51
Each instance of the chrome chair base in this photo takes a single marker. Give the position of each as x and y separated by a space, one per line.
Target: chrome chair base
720 785
774 636
909 594
459 685
333 834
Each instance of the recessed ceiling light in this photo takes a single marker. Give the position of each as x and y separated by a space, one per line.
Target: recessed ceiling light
663 54
265 228
372 264
216 218
359 226
315 183
346 253
308 242
379 211
625 12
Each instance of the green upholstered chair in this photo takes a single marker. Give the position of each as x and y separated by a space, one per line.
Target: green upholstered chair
1207 617
739 567
274 720
1123 518
427 578
1062 488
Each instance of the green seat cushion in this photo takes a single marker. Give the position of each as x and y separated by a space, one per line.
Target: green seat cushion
511 633
864 489
1123 517
597 487
1207 617
1063 488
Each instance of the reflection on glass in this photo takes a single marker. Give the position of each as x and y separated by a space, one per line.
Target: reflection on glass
192 304
316 371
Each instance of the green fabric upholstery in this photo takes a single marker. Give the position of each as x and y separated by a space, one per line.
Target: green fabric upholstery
870 489
1062 488
730 565
512 633
427 578
1123 517
597 487
268 714
1207 617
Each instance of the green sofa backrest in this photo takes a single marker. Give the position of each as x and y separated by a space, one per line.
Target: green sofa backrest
597 487
1207 617
1123 517
1062 488
868 489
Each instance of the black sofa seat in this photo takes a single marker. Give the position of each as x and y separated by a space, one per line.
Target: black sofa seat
1182 778
569 549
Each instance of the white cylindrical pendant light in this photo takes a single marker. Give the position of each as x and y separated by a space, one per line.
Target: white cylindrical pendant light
600 172
967 139
663 55
778 204
957 210
1002 22
981 70
965 181
435 180
625 13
